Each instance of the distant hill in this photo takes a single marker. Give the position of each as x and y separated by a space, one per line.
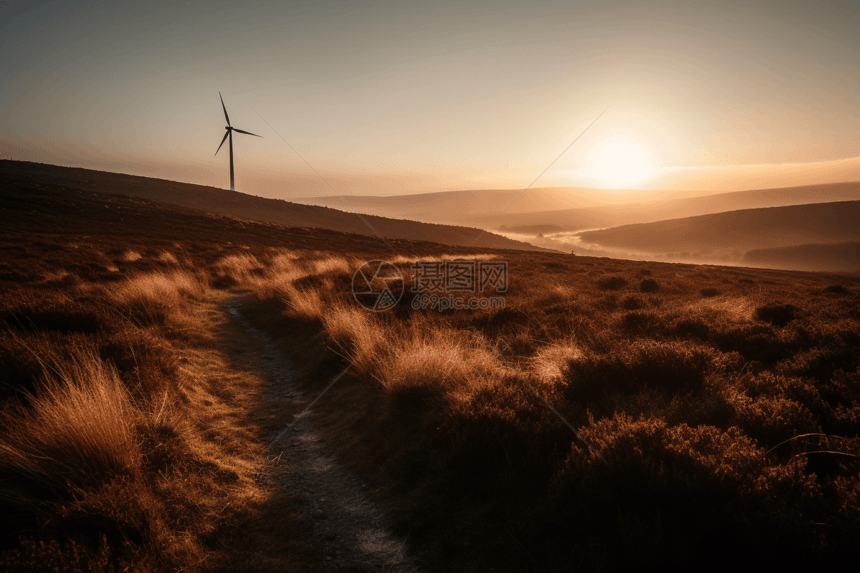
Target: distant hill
576 208
235 204
742 230
475 207
651 211
834 257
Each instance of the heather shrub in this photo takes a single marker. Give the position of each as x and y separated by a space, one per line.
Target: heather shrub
709 292
490 433
776 314
753 341
771 419
771 384
839 352
680 494
842 388
644 364
649 285
54 311
640 322
688 328
632 302
612 283
835 289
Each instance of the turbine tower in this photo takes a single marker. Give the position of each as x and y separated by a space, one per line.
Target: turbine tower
230 129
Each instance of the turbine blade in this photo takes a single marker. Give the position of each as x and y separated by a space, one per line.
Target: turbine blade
225 108
246 132
222 142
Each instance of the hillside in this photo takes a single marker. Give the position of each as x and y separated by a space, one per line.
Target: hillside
832 257
18 174
741 230
576 208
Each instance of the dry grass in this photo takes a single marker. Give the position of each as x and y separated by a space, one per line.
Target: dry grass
130 256
168 257
694 393
355 333
125 432
551 360
447 365
166 289
78 430
682 392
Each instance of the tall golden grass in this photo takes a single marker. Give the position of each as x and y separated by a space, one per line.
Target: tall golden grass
78 429
99 437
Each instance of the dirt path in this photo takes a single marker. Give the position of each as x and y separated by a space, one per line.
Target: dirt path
351 527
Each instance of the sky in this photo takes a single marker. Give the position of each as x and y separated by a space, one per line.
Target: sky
404 97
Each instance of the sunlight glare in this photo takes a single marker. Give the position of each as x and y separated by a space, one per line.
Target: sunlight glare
619 161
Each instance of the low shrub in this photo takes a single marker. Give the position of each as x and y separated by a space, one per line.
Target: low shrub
680 495
632 302
835 289
649 285
690 328
752 341
645 364
640 322
612 283
777 314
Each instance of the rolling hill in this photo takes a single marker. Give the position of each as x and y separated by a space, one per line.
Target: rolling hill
220 201
472 207
574 208
742 230
829 257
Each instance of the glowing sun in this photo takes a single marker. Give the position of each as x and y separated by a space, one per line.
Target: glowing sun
619 161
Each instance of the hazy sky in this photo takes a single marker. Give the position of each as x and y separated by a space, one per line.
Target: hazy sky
385 97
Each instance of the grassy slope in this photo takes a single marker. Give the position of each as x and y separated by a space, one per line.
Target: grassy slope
23 175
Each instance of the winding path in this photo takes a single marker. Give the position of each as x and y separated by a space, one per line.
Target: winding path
353 529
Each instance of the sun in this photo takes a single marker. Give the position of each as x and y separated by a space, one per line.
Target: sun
619 161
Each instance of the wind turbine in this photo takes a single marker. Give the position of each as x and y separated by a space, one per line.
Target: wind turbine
230 129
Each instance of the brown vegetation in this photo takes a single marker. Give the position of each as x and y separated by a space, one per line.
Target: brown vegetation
716 429
709 428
